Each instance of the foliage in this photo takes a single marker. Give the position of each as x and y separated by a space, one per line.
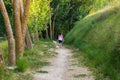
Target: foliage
67 12
70 11
39 14
99 4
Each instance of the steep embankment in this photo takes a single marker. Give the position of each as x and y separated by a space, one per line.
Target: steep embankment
98 36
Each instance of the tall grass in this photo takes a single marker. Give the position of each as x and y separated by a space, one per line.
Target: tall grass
98 36
22 64
4 45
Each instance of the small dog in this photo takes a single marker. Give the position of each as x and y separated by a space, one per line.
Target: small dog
56 44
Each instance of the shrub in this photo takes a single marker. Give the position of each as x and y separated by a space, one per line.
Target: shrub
22 64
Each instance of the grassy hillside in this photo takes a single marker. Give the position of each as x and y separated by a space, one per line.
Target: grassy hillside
98 36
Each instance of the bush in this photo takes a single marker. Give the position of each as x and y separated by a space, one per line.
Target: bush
22 64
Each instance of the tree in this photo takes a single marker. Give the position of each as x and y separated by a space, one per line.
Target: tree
11 45
39 15
18 28
25 20
20 24
28 40
70 11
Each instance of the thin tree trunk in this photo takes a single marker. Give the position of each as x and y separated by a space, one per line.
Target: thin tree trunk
17 27
11 44
28 40
47 36
51 28
53 25
41 35
2 63
51 36
25 20
36 38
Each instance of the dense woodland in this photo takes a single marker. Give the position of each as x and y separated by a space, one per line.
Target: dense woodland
24 22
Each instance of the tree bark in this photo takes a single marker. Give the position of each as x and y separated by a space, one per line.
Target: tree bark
41 35
21 9
47 36
25 20
11 44
51 36
28 40
53 26
18 30
36 38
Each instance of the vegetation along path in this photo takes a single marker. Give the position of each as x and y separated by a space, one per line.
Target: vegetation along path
62 68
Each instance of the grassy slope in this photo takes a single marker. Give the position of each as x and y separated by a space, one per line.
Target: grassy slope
98 37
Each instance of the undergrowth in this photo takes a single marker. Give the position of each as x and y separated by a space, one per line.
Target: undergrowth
33 60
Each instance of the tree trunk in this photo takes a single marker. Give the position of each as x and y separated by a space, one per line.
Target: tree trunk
28 40
41 35
21 9
11 44
25 20
54 18
17 27
36 38
47 36
2 63
24 2
51 29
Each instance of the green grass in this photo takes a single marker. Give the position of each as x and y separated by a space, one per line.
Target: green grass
80 75
4 45
98 38
32 60
22 64
42 71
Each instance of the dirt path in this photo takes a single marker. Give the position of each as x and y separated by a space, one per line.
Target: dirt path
61 68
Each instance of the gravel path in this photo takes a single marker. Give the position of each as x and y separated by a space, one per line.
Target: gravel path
61 68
